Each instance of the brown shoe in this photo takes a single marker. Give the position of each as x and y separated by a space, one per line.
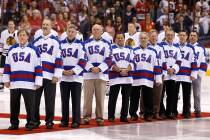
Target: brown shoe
148 119
134 118
100 122
157 117
85 121
141 116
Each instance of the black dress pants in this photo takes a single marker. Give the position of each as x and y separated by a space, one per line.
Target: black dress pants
29 99
73 89
113 94
49 89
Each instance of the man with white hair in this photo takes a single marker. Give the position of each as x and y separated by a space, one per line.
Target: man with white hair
147 71
96 75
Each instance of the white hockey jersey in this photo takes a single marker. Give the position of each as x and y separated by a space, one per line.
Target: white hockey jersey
50 51
135 39
8 39
23 67
200 54
160 56
121 57
173 59
189 65
147 69
98 55
74 58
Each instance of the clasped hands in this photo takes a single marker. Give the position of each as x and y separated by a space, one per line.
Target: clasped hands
122 71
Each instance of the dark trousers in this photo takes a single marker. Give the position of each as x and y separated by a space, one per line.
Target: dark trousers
162 106
29 99
113 94
147 95
170 86
73 88
49 95
2 62
157 95
186 91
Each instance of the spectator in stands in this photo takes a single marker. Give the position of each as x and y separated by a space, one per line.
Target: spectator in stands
118 8
142 7
35 19
109 27
203 4
102 8
94 11
33 5
179 25
163 18
11 14
147 24
65 17
197 27
118 24
137 25
61 23
83 13
25 24
204 22
43 4
128 15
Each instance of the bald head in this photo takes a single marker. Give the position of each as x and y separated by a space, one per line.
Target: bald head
97 31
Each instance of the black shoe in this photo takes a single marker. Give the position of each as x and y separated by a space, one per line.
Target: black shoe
35 125
75 125
186 117
197 115
13 127
63 124
123 119
29 128
172 116
49 125
111 119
